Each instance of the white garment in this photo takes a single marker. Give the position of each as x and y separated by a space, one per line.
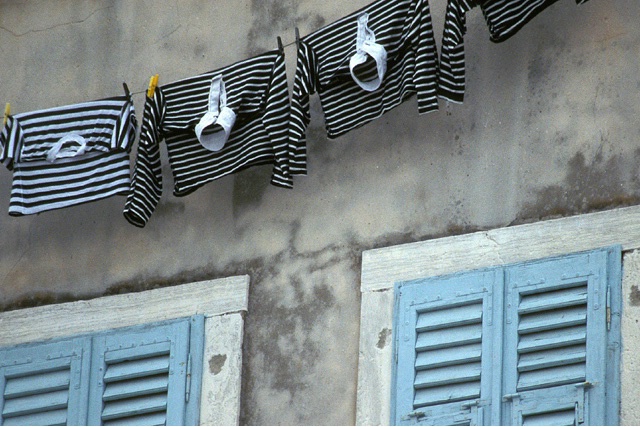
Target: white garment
220 117
366 45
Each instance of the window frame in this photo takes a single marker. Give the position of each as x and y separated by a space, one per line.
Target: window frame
383 267
223 303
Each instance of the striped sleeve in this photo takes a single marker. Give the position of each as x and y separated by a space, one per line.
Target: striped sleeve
125 128
9 139
425 77
451 75
305 83
506 17
276 123
146 183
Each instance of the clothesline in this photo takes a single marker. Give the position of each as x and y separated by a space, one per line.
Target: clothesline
281 46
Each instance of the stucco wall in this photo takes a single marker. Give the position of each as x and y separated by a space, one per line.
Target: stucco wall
629 412
549 127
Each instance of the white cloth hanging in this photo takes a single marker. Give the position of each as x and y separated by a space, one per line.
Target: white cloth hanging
215 126
366 46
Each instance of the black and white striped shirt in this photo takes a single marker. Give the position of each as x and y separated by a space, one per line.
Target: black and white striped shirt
451 74
405 30
68 155
504 19
257 92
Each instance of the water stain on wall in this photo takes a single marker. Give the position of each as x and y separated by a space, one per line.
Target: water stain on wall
634 296
383 336
276 18
216 363
249 187
601 184
169 208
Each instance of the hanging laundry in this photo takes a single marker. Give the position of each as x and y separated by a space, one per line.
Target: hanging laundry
451 74
213 124
504 19
362 66
69 155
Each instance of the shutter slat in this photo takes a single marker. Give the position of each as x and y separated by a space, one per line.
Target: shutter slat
557 418
38 383
552 339
551 358
37 403
453 337
49 418
155 419
448 356
554 300
448 375
553 320
449 393
135 406
133 353
134 388
137 368
551 377
449 317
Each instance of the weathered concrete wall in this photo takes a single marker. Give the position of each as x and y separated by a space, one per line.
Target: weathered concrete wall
549 127
629 413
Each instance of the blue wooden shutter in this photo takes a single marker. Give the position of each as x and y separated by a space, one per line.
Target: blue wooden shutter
45 384
556 341
143 375
445 331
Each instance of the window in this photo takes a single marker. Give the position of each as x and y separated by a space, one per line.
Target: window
222 302
383 268
531 344
148 375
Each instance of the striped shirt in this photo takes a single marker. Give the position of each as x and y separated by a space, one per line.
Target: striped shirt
256 91
451 74
69 155
404 29
504 19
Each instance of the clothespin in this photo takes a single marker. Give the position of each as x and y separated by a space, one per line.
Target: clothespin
280 45
7 111
153 82
126 90
297 37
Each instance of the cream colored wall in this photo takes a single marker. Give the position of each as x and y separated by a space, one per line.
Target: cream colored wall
548 128
630 413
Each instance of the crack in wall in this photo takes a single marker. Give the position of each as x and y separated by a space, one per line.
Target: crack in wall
497 245
169 34
53 27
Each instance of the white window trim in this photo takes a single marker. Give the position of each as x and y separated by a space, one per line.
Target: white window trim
382 268
221 301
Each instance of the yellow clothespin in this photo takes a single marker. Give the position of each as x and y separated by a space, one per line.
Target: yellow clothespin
153 82
7 111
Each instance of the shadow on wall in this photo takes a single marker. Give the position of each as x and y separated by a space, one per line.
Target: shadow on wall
276 18
598 186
